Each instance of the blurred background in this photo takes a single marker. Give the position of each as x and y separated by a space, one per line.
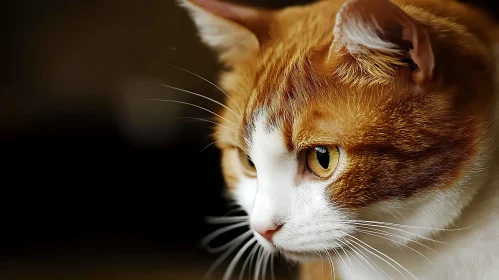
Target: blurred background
96 182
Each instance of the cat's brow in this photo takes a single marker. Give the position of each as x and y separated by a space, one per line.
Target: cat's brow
308 139
309 143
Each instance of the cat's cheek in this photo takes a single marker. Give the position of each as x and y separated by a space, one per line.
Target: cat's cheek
245 192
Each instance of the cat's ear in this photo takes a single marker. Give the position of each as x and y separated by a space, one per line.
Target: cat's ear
234 31
382 26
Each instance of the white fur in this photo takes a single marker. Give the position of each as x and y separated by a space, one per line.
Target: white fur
302 206
471 205
312 224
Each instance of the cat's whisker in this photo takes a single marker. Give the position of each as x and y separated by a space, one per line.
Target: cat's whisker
272 266
395 262
236 209
322 261
189 104
265 264
232 202
346 251
221 231
330 267
237 257
400 214
262 264
393 215
248 259
262 268
225 220
366 258
207 146
348 268
224 247
386 233
260 248
202 96
212 122
400 243
258 264
344 263
405 226
381 258
211 83
397 229
332 272
222 257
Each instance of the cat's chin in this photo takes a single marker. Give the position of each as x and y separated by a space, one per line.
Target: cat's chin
295 256
301 257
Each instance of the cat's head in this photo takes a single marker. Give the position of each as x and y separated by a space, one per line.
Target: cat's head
344 116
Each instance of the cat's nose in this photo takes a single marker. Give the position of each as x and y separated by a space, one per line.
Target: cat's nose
269 232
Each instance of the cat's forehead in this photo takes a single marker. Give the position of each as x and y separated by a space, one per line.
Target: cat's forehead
292 94
307 108
275 102
318 116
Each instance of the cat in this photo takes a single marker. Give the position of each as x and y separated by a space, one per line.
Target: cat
362 134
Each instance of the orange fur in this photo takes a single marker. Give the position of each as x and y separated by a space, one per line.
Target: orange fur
401 138
368 104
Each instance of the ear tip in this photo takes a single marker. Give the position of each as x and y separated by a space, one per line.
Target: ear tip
200 3
186 3
182 3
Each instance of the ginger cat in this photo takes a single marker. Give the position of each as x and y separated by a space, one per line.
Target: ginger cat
361 133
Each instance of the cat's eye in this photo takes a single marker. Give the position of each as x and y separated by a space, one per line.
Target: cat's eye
249 167
322 160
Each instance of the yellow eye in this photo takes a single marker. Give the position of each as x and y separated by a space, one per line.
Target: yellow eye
322 160
249 167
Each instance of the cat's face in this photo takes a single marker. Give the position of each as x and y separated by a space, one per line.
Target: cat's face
327 135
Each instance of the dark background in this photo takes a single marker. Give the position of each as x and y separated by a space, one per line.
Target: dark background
94 179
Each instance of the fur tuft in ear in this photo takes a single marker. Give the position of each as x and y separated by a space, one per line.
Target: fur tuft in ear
379 25
234 31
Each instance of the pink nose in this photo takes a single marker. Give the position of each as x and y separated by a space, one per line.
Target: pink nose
268 234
